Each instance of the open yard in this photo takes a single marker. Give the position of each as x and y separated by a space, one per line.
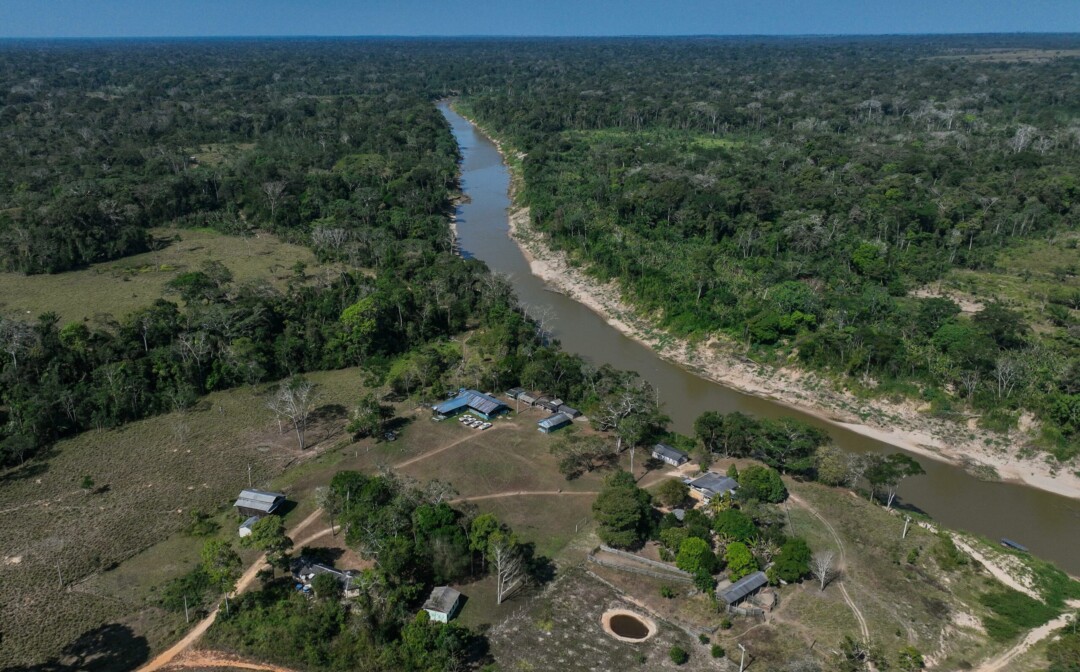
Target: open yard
118 287
117 544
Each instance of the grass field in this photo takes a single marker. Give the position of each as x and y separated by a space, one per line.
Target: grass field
121 286
1027 275
116 544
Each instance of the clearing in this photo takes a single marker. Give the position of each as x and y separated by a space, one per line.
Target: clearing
121 286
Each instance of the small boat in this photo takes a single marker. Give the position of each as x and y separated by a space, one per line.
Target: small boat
1009 543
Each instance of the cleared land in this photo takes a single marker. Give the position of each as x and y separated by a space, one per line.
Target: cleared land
117 547
118 287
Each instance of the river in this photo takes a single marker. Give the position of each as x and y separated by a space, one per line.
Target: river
1045 522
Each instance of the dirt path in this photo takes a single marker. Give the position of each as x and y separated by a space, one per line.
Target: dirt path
1002 661
995 569
206 659
167 656
432 453
522 493
841 568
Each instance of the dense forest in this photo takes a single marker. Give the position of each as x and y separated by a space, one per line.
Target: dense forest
800 197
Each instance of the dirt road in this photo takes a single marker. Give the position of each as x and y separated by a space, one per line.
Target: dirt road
1002 661
840 567
246 579
522 493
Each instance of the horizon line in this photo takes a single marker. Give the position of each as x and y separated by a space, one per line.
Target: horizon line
437 36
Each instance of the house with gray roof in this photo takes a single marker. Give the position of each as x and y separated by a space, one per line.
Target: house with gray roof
711 484
670 454
742 589
554 422
443 604
255 502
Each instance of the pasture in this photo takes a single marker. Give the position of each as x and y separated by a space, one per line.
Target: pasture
115 288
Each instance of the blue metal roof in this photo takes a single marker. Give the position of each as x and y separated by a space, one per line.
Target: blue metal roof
451 405
478 401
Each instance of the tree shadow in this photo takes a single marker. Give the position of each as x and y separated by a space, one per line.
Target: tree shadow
321 555
539 568
109 648
29 470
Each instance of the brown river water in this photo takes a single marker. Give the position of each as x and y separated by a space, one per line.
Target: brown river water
1046 523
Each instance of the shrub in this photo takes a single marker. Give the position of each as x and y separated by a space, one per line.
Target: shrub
667 592
703 638
946 554
725 623
1013 612
717 651
678 655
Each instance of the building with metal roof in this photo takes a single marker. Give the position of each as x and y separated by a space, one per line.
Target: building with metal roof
712 484
247 525
743 588
482 404
304 571
254 502
670 455
443 604
554 422
569 410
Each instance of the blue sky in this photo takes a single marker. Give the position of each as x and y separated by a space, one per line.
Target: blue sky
151 18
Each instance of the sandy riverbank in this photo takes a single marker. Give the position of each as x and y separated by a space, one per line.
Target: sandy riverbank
898 424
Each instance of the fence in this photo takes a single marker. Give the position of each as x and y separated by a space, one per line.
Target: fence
668 576
749 612
646 561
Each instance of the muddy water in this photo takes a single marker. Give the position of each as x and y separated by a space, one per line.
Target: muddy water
1048 524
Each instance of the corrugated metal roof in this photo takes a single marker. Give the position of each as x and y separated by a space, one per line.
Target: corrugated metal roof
743 587
478 401
442 599
553 421
714 483
260 500
670 452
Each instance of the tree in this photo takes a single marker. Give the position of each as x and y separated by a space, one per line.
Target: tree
673 492
1063 654
821 566
508 562
623 511
221 564
832 465
761 483
326 586
734 525
891 471
695 556
480 531
740 561
87 484
295 401
268 535
369 417
793 562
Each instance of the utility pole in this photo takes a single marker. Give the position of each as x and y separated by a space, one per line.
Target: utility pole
187 619
742 657
249 475
58 573
907 521
227 611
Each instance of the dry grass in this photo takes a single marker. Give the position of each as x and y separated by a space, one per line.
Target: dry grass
109 543
118 287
